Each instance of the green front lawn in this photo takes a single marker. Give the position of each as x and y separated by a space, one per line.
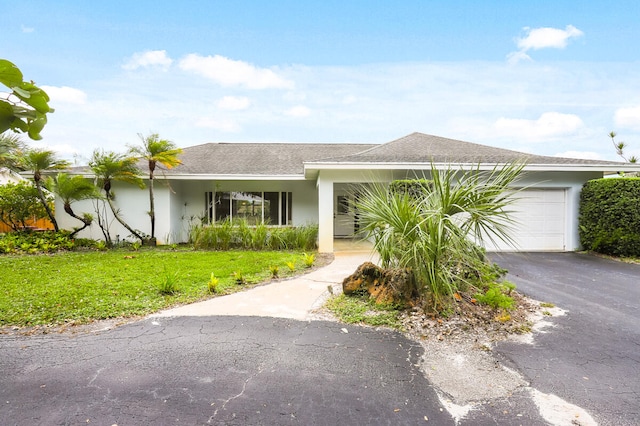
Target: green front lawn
81 287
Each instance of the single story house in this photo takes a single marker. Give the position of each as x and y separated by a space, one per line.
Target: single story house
304 183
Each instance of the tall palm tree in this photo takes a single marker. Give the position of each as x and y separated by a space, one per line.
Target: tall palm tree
73 188
109 167
41 161
11 148
156 152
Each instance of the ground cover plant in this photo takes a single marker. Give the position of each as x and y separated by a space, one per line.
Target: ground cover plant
360 309
79 287
40 242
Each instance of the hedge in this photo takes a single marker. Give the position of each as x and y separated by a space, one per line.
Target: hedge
413 187
610 216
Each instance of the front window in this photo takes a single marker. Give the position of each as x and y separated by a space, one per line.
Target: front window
272 208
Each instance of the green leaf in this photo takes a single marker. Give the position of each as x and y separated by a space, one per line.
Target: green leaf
36 127
10 75
28 115
21 93
33 96
6 116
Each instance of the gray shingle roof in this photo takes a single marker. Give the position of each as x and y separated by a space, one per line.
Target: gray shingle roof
258 158
422 148
289 159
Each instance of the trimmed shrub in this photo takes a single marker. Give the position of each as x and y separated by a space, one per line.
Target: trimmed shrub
610 216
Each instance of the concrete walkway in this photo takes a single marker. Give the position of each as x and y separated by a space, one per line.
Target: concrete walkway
294 298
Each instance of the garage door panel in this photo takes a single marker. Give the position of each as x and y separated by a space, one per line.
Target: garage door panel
540 221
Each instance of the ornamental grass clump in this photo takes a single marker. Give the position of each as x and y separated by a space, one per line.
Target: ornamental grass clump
213 284
169 283
238 234
308 259
275 271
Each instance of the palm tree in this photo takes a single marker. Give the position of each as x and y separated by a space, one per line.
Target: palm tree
73 188
41 161
109 167
156 152
434 233
11 148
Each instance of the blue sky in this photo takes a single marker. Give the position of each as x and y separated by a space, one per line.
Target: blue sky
547 77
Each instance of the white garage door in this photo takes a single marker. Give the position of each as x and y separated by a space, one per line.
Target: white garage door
540 216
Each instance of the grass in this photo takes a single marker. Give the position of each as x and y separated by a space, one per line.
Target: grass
362 310
81 287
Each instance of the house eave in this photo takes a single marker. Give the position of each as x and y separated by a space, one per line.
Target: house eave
233 177
312 169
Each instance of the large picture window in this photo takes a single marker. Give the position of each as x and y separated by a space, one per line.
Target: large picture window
272 208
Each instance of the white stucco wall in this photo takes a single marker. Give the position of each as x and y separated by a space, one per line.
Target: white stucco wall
182 204
134 205
188 201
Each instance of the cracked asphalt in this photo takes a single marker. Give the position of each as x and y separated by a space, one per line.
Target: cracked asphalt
216 370
592 355
234 370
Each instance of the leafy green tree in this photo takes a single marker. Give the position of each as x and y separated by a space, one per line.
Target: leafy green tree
434 233
11 149
39 162
109 167
70 189
158 153
620 147
19 204
25 107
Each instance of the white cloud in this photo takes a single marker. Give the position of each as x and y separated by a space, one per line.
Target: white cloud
515 57
457 100
583 155
230 73
149 58
65 94
628 117
542 38
223 125
234 103
64 150
298 111
549 125
26 29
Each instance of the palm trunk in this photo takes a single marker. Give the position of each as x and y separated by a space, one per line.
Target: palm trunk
152 211
45 204
116 215
70 212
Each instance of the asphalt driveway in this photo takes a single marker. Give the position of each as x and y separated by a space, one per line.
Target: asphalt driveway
591 357
216 370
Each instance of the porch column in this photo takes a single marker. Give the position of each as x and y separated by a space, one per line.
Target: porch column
325 214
